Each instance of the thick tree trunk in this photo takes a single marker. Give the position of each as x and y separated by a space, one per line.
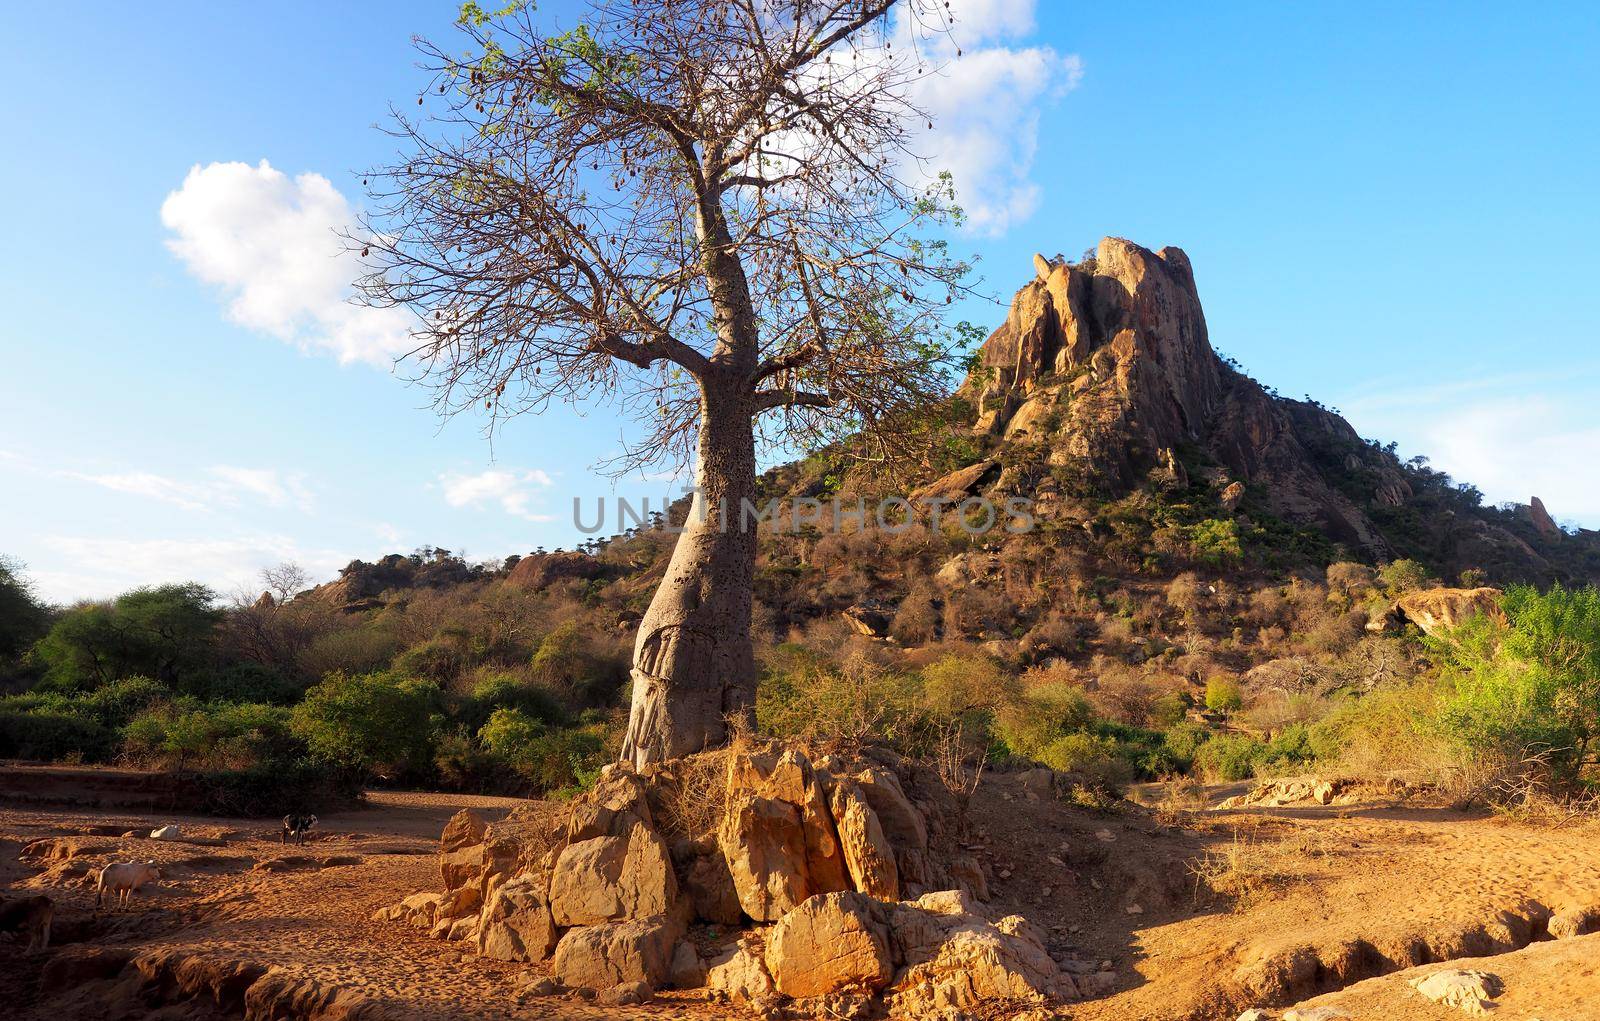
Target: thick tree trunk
693 664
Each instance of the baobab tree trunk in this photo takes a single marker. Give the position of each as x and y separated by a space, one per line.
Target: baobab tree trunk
693 663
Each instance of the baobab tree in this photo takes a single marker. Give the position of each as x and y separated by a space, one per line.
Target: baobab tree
709 211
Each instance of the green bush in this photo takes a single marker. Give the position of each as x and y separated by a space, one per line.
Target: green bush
1229 757
1404 575
1223 695
566 660
803 694
217 735
23 618
1043 714
551 761
166 632
1183 741
441 660
371 723
507 691
47 736
1216 542
1527 685
244 682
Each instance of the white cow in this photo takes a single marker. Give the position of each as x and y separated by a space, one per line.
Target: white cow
122 879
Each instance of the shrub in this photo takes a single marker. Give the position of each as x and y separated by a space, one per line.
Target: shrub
1092 755
567 661
23 619
1183 742
1027 725
441 660
803 694
1216 542
164 632
551 761
120 701
355 651
1229 757
1528 685
47 736
1404 575
508 691
958 684
218 735
370 722
244 682
1223 694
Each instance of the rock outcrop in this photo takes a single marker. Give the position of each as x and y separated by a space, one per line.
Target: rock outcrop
1438 609
798 866
1109 364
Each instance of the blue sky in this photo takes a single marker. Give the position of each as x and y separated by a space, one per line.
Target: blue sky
1393 211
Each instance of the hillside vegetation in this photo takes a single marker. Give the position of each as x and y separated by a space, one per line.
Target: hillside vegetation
1216 584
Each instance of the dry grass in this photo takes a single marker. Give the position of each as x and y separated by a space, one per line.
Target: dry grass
696 799
1253 867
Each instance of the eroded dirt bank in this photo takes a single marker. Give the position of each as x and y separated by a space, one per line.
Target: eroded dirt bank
1327 896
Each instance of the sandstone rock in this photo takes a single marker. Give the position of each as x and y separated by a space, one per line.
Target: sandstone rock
1039 783
1232 497
901 822
464 829
1574 922
958 485
462 867
1470 991
1314 1014
457 903
709 886
973 963
688 970
1434 610
966 872
740 974
602 956
868 855
516 924
1042 266
1126 332
764 843
611 809
1542 521
538 570
611 878
625 994
1255 1014
832 943
867 619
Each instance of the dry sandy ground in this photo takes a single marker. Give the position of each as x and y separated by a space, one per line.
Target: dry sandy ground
1331 896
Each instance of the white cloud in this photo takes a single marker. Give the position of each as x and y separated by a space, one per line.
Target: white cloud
512 490
226 486
100 567
271 245
985 107
1513 438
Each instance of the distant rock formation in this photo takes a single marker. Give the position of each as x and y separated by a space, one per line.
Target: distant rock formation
537 570
1108 364
1542 520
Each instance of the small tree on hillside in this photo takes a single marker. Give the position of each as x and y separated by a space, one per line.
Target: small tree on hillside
701 210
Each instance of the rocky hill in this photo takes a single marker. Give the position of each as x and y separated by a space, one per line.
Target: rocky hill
1102 380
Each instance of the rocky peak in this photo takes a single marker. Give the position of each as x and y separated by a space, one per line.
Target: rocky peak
1128 316
1108 362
